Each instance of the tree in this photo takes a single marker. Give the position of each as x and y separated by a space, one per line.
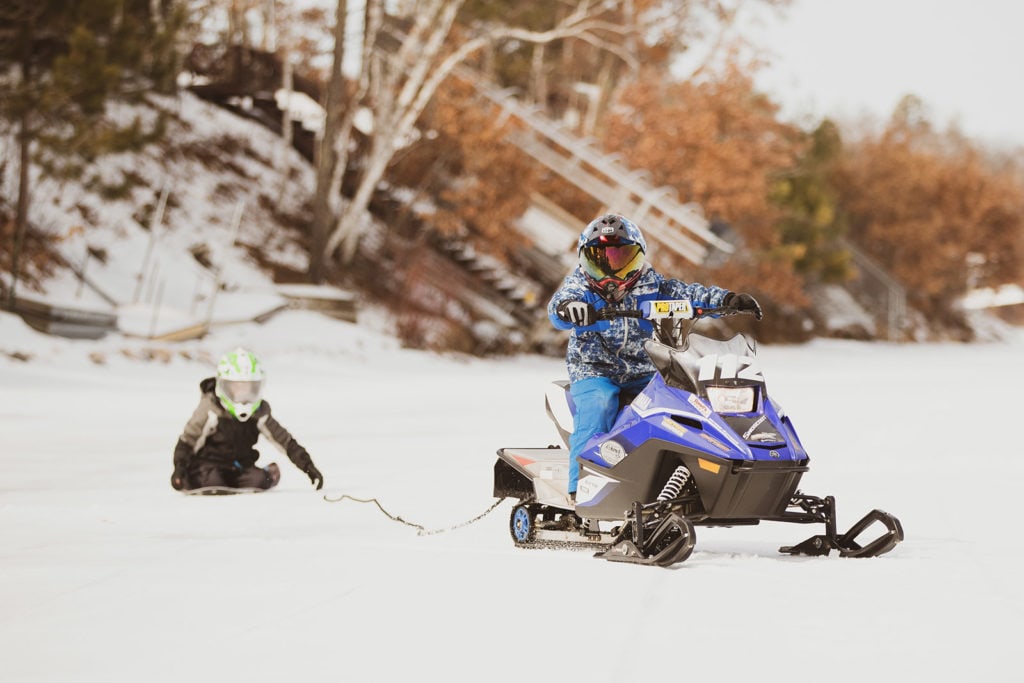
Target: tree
398 80
62 60
813 222
396 85
574 81
475 182
934 210
717 141
332 154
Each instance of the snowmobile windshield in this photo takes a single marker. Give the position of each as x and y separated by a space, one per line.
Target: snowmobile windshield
699 346
241 391
705 362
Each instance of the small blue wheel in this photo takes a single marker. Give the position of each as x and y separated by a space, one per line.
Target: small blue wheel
521 525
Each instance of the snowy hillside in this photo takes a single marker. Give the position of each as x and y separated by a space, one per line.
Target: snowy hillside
233 191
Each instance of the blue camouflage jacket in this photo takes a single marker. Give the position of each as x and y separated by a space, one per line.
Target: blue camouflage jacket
615 348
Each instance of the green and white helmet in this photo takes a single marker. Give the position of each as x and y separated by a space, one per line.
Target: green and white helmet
240 383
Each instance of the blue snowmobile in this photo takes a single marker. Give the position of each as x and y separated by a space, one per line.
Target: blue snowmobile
702 445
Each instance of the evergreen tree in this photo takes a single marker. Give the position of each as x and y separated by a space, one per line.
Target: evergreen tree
814 222
61 61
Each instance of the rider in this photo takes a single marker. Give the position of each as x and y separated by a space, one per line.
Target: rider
217 446
606 358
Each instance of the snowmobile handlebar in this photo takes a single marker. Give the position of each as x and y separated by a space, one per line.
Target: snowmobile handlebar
666 310
611 313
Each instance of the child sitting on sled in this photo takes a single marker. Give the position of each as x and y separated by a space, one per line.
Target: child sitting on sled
217 446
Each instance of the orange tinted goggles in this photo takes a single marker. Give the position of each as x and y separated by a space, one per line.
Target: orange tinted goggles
617 262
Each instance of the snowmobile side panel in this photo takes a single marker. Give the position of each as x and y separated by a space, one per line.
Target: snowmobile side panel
559 406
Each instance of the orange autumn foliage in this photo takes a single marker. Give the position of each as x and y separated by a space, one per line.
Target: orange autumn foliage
935 211
719 144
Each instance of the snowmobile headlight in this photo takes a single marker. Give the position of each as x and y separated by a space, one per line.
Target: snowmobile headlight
731 399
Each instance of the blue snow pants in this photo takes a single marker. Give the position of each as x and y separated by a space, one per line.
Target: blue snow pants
597 404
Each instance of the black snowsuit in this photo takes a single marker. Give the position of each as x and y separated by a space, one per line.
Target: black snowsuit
216 449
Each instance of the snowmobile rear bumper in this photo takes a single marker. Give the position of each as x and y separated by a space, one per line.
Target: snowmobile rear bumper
540 474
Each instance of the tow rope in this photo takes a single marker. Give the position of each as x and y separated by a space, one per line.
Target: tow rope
421 530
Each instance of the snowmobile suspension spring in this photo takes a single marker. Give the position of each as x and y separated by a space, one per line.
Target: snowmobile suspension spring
674 486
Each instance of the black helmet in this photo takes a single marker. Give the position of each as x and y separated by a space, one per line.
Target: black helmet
611 252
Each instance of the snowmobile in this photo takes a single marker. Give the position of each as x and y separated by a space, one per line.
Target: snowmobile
702 445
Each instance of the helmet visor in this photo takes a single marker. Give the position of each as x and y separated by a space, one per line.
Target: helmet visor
618 262
241 391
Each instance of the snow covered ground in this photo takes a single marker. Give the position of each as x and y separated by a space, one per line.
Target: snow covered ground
107 574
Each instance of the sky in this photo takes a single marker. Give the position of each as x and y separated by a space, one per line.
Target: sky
107 574
851 58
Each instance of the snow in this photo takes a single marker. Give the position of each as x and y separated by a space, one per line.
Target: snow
1006 295
110 575
960 65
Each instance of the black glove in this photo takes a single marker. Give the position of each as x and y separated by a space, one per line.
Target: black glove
179 478
743 303
579 313
314 476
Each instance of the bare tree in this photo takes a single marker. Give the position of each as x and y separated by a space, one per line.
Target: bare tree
25 136
330 157
395 87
